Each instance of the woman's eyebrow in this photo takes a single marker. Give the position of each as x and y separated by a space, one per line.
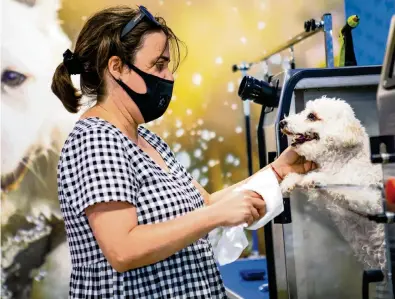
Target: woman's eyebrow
161 57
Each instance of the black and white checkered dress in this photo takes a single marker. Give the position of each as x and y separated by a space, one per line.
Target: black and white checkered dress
99 164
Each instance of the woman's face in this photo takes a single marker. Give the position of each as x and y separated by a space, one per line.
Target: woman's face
153 58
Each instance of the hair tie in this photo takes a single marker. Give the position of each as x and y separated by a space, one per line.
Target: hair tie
72 63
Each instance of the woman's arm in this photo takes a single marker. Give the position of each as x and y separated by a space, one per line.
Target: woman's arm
127 245
289 161
210 199
216 196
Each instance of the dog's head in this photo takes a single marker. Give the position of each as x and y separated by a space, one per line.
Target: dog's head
32 47
327 125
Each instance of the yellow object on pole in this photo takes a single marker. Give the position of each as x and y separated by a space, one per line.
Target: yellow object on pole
347 53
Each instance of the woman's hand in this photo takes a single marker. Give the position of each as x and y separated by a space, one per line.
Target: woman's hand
239 207
290 162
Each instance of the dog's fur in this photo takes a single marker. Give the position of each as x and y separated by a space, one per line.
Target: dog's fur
328 133
34 122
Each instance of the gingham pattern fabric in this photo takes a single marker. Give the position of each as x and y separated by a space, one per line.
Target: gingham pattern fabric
100 164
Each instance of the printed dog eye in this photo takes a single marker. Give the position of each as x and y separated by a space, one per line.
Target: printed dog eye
12 78
312 117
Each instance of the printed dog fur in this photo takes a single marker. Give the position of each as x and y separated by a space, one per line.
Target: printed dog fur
328 133
34 127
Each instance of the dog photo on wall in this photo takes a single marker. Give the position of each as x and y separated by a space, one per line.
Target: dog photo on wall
34 125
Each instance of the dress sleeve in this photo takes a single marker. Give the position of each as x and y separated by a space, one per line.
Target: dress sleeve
95 168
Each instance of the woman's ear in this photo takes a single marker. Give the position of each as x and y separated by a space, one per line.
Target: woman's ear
115 66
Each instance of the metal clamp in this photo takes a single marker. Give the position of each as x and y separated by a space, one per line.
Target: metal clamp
382 149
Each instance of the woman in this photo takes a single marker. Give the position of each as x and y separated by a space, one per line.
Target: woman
136 221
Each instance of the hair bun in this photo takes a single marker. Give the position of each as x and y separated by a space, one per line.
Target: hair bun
72 63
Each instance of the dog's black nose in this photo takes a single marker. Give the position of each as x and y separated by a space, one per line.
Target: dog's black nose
283 124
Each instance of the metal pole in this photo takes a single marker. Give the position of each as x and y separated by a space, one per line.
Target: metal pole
292 61
324 25
246 110
247 121
327 23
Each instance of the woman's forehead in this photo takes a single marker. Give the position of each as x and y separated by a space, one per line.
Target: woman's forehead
155 44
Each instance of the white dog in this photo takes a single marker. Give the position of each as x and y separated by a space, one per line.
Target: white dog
328 133
34 125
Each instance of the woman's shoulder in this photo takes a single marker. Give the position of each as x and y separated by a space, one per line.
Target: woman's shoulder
93 131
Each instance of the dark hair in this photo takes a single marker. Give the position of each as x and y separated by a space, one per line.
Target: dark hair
97 42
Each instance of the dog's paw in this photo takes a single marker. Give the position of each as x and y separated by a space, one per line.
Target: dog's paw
290 182
313 180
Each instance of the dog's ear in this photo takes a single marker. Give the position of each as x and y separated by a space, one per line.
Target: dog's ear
345 135
353 134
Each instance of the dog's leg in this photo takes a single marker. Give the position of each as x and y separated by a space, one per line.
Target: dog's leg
290 181
313 179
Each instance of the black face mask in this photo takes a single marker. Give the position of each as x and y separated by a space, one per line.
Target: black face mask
154 102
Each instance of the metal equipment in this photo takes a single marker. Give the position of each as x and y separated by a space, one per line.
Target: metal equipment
384 153
306 256
311 27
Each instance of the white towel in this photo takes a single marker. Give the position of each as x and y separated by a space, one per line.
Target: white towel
232 241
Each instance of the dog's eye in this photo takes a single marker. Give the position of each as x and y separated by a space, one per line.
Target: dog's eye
312 117
12 78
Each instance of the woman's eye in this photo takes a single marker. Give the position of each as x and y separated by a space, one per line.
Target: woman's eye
160 66
12 78
312 117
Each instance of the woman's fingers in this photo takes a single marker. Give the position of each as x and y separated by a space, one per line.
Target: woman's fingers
258 203
255 214
252 194
250 220
262 212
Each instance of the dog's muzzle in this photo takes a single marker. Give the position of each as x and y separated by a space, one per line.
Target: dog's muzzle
298 138
302 138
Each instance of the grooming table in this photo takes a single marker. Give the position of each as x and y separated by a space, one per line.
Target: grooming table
238 288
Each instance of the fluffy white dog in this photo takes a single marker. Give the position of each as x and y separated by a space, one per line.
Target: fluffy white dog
328 133
34 125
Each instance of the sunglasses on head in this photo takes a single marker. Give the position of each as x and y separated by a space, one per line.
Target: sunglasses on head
144 13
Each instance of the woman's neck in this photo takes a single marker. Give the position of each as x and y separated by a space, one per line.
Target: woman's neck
117 116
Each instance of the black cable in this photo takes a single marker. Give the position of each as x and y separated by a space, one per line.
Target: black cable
386 217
